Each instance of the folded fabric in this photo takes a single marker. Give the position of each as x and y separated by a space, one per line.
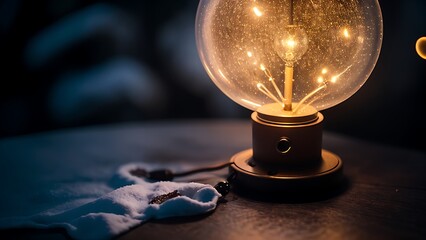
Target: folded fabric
125 207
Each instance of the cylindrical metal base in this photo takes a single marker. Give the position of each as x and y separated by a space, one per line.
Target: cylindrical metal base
287 154
246 175
284 145
284 139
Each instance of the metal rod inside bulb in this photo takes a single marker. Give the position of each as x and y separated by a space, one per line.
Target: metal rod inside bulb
288 88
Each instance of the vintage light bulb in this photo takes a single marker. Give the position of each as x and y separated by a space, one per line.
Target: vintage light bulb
286 60
290 44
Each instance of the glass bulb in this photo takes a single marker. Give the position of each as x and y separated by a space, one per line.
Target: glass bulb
291 43
289 51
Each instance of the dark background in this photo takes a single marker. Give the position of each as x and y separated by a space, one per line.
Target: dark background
74 63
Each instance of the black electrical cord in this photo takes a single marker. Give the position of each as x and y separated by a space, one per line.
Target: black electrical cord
205 169
167 175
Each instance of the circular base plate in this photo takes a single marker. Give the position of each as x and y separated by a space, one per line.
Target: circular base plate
247 175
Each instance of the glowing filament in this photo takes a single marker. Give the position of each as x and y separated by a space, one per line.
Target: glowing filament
346 33
322 86
291 43
323 82
272 80
265 91
257 12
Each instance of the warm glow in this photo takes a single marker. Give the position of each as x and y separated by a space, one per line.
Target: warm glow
268 93
291 43
346 33
421 47
289 52
221 73
250 102
257 12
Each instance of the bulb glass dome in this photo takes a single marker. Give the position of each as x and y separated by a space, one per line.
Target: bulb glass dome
316 52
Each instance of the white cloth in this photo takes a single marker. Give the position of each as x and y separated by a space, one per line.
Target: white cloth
123 208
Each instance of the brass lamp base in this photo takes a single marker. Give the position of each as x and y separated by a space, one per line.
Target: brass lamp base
287 154
247 175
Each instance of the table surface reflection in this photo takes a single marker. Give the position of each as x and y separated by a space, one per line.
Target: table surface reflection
385 195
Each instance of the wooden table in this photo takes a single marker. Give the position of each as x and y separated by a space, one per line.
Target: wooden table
385 197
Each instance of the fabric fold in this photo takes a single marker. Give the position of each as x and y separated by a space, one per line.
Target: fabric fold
124 207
